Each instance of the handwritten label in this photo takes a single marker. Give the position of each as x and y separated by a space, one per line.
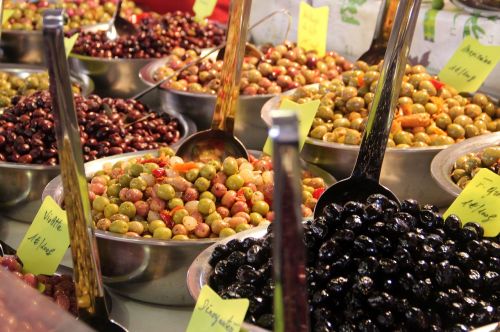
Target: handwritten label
7 13
69 43
313 27
480 202
305 114
214 314
46 241
203 8
470 65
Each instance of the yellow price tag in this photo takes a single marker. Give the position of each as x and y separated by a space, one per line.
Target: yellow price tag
7 13
305 114
69 43
214 314
46 241
470 65
480 202
313 27
203 8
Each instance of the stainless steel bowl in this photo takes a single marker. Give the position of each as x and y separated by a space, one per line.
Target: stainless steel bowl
442 164
248 127
404 171
24 70
21 186
19 46
148 270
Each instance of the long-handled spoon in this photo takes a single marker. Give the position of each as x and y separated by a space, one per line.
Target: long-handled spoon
289 255
383 26
219 141
364 179
118 26
87 274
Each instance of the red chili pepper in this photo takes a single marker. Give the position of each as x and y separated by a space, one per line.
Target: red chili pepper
158 172
437 84
317 192
167 218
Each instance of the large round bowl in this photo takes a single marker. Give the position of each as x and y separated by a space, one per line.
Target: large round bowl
20 46
148 270
21 185
405 171
442 164
248 127
200 271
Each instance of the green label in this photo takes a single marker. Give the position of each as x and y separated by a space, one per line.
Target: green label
69 43
430 24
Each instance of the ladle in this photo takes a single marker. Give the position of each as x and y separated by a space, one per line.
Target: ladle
289 254
118 26
219 141
383 27
364 179
86 269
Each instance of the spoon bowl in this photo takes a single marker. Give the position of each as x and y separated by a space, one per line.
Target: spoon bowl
120 27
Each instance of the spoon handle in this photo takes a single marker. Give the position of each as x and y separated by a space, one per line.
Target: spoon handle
385 21
373 145
86 269
289 255
117 11
227 97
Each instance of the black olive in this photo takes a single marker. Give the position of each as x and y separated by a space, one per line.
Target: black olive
492 280
459 328
332 212
234 245
223 269
374 212
338 286
416 319
266 321
479 229
256 255
351 208
388 266
236 259
430 207
353 222
344 236
396 226
364 245
220 252
329 251
467 234
452 224
247 274
385 319
383 244
364 285
410 206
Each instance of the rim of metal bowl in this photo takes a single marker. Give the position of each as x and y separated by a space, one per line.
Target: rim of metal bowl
274 103
92 27
188 126
147 72
199 268
443 162
53 187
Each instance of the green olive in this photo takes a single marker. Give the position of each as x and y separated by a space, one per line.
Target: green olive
162 233
463 181
114 190
422 137
403 137
136 170
471 131
166 191
153 225
463 120
208 195
202 184
124 180
417 108
230 166
179 215
480 99
119 226
420 96
457 174
216 164
110 210
225 232
100 203
319 132
441 140
455 130
471 163
352 137
355 104
234 182
325 113
208 171
206 206
212 217
192 174
136 227
149 167
138 183
175 202
456 111
260 207
342 122
472 110
490 156
443 120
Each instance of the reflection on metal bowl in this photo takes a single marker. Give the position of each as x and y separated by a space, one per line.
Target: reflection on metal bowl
21 185
147 269
442 164
248 127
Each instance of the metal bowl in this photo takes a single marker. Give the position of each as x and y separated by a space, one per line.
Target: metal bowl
404 171
200 270
148 270
442 164
248 127
20 46
24 70
21 185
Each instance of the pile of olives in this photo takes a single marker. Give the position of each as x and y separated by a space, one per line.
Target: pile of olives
166 198
428 112
28 15
375 266
13 85
283 67
467 166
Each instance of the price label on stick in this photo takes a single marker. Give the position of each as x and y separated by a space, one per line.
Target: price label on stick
69 43
7 13
203 8
305 114
470 65
480 202
313 27
214 314
46 241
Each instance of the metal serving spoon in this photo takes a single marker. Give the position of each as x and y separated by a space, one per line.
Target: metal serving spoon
289 254
219 141
86 269
119 27
364 179
385 21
